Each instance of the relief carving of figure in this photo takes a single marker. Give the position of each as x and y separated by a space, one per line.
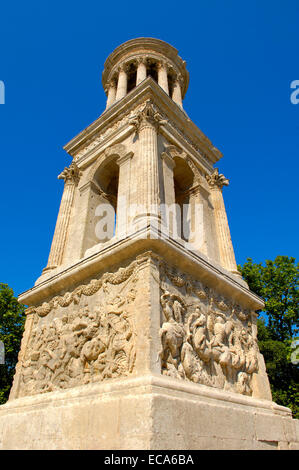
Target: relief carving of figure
197 334
90 344
172 334
205 338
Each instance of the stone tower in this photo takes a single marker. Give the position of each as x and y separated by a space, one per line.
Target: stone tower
140 332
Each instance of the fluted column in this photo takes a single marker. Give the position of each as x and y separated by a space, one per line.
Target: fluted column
71 177
111 93
147 123
227 256
162 76
141 70
122 83
177 93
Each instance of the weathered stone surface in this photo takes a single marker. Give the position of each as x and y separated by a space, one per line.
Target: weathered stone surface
148 412
141 333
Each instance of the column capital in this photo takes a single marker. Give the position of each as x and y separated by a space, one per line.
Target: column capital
217 180
70 174
179 79
123 67
162 64
141 60
147 116
112 82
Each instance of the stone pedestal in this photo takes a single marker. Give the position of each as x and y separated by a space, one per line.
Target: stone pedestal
148 413
143 356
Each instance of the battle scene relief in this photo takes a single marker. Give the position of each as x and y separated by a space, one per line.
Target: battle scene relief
89 334
205 338
83 336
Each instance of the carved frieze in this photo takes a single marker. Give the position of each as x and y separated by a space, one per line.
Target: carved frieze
86 335
205 338
89 334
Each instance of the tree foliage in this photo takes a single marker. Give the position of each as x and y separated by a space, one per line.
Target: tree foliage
12 320
277 283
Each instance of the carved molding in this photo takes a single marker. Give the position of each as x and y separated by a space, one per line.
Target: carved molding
70 174
205 337
87 289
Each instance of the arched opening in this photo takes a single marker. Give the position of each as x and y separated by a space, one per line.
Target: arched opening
106 179
102 204
183 181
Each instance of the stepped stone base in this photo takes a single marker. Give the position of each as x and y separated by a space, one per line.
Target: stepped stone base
150 412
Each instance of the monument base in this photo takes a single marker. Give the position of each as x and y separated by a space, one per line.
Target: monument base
150 412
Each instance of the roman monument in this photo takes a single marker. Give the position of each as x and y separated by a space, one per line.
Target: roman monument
140 332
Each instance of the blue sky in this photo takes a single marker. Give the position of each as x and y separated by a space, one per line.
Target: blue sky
241 56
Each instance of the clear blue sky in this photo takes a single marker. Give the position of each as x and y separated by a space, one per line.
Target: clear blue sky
242 57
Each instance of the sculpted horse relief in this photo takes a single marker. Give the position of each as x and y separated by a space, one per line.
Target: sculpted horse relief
92 344
204 340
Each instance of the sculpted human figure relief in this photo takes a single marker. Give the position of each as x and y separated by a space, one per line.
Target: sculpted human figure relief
172 334
84 340
205 338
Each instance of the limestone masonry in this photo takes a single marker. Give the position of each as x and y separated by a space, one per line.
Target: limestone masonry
140 332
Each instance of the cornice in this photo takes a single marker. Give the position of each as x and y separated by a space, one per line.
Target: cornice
127 248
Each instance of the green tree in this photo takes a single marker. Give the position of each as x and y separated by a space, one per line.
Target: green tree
277 283
12 320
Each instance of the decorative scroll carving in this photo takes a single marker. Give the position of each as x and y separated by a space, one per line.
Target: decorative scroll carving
205 337
86 289
70 174
147 115
217 180
99 137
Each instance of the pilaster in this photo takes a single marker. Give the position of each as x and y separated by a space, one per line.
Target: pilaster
227 256
123 195
71 177
147 123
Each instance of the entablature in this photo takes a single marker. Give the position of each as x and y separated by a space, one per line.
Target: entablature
114 125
